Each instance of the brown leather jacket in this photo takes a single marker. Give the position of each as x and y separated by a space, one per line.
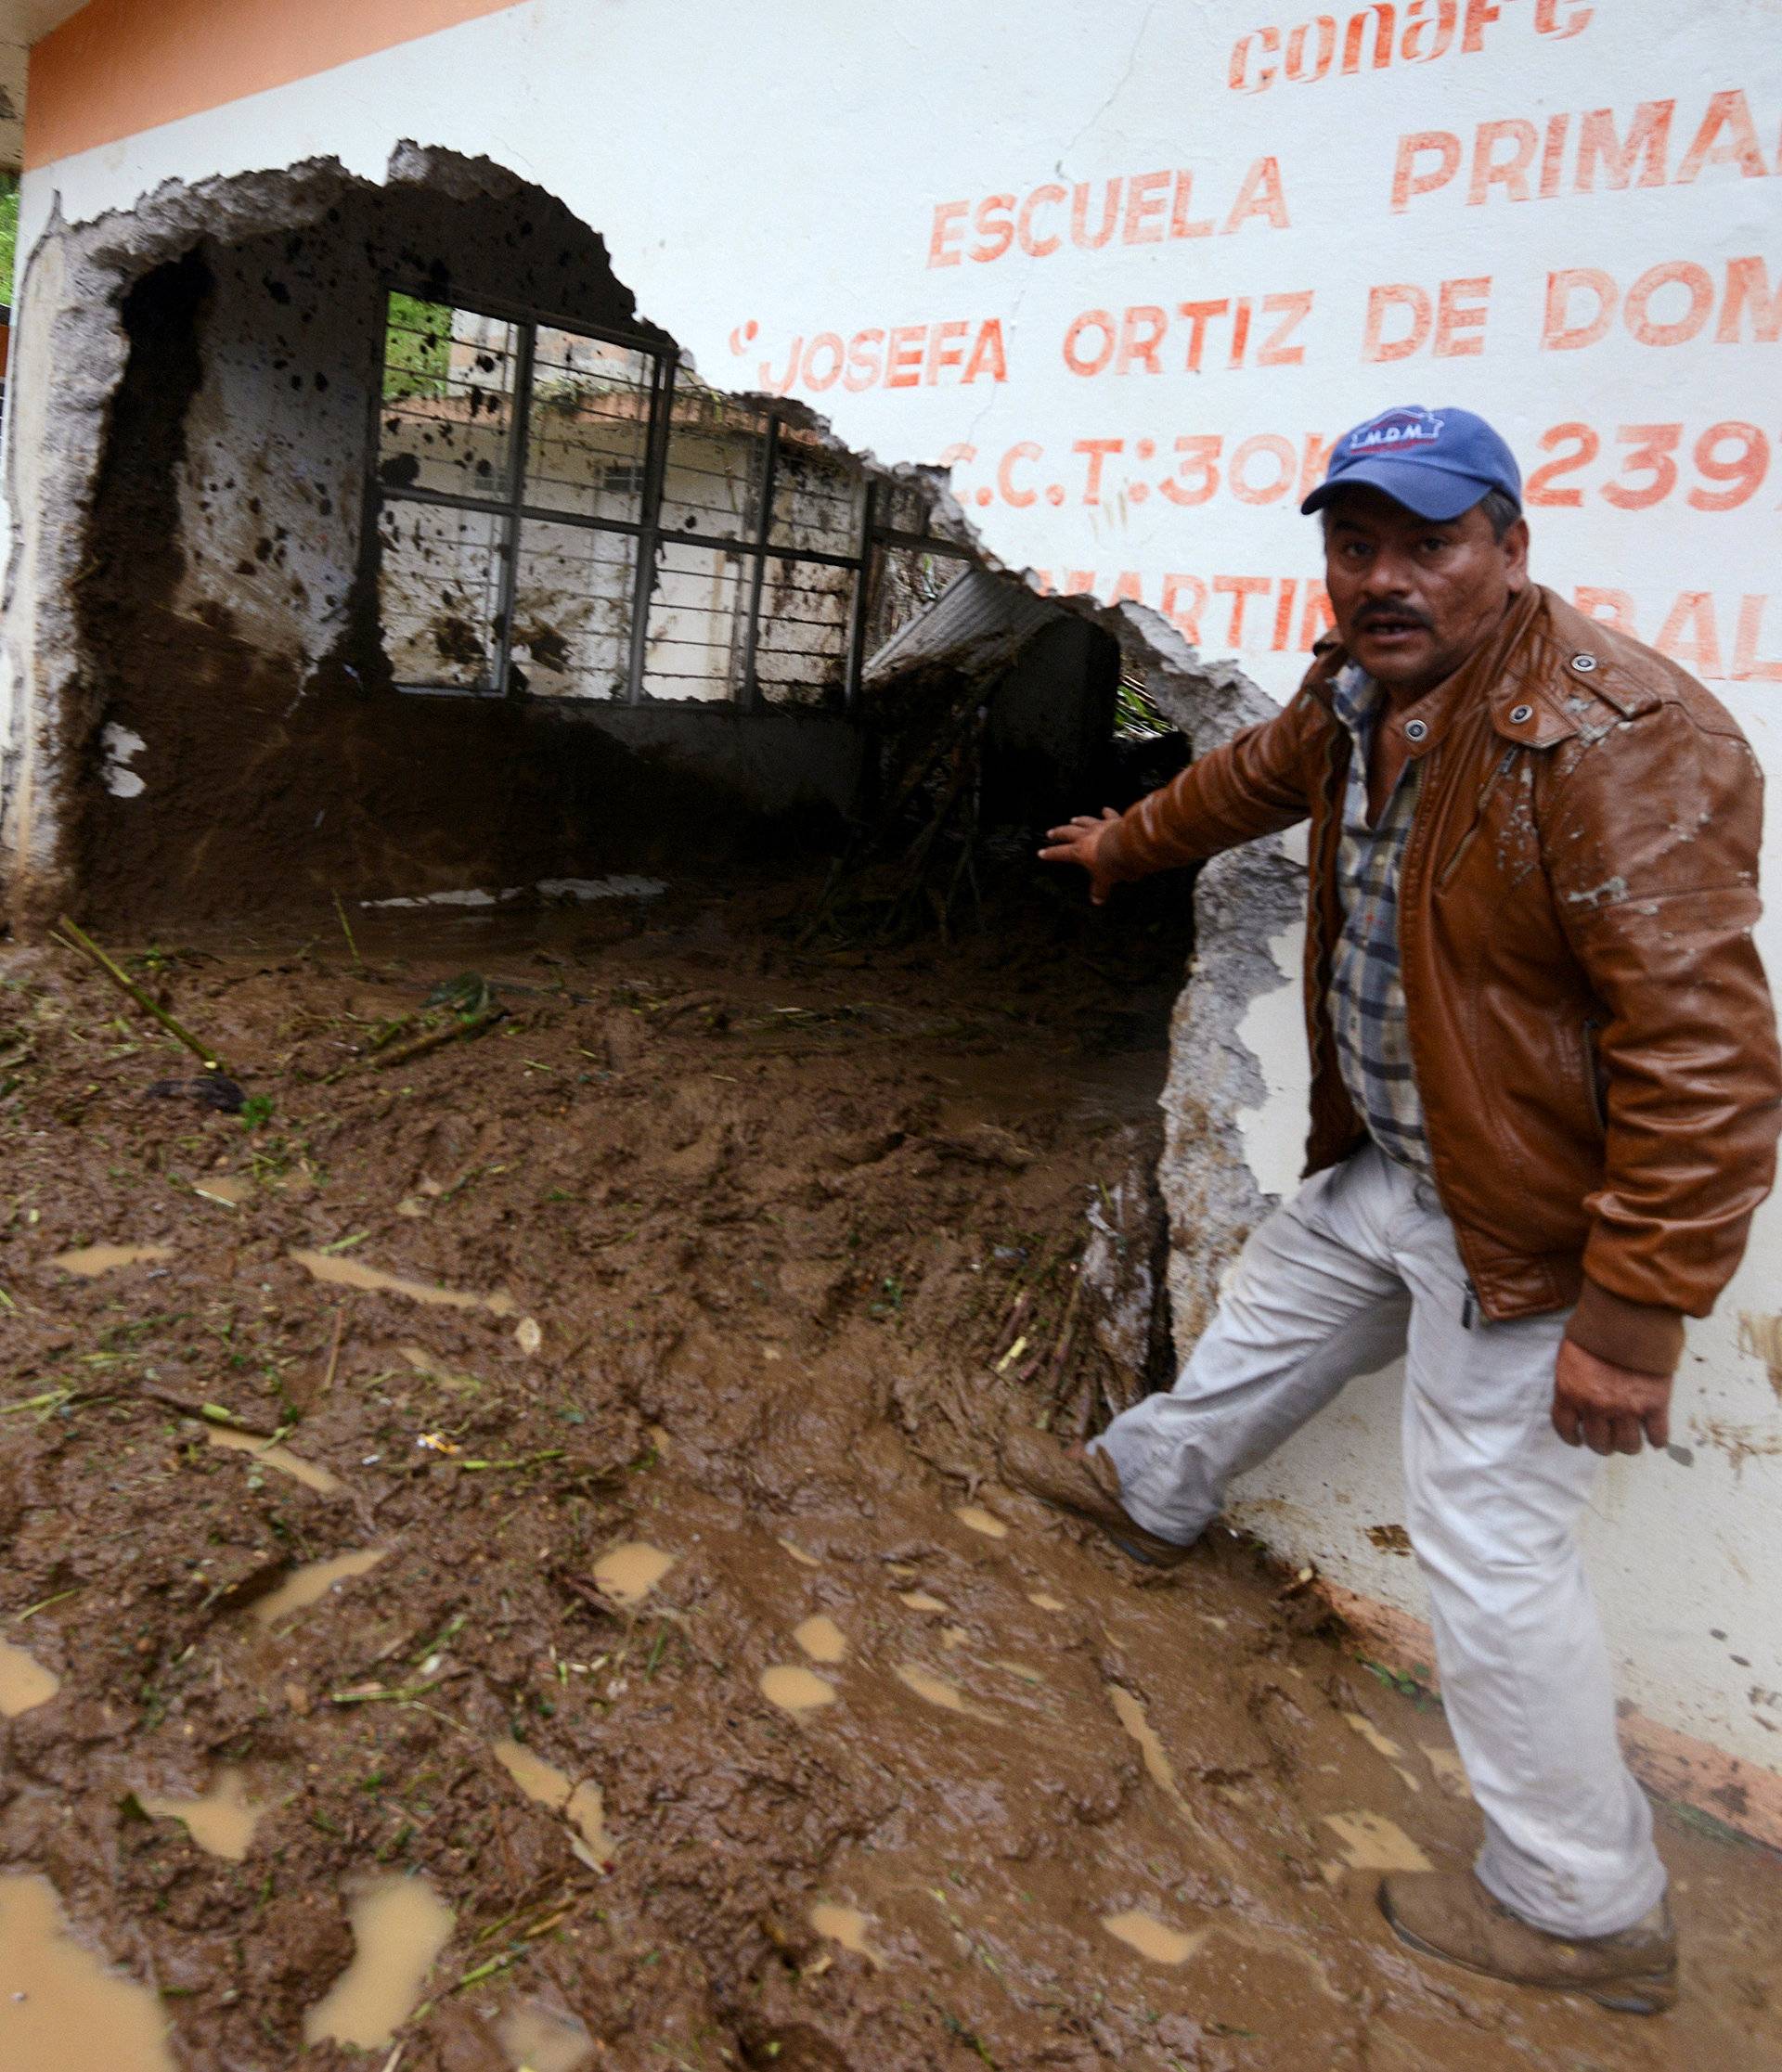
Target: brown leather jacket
1593 1039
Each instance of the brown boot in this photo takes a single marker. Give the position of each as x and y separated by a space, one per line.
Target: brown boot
1085 1484
1449 1914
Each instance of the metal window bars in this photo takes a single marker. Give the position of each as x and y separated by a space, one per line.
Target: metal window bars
561 511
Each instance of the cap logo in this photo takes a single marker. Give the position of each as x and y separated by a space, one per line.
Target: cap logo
1392 432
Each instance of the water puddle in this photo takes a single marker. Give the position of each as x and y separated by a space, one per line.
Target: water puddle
1132 1718
936 1691
1370 1842
230 1189
1450 1772
540 2041
583 1805
1382 1744
61 2010
423 1363
979 1520
222 1822
845 1925
339 1272
629 1573
272 1455
1151 1938
919 1600
799 1555
821 1638
92 1260
308 1585
1046 1602
796 1690
399 1927
24 1681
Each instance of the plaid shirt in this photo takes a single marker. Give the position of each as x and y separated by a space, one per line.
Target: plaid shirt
1366 992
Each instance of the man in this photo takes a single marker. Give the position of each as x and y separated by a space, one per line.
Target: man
1544 1103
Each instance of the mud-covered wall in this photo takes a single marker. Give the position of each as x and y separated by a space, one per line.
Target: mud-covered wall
231 741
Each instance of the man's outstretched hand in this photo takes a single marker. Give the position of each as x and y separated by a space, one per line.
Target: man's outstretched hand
1080 841
1607 1407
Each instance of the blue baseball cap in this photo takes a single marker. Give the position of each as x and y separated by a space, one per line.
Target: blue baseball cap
1437 463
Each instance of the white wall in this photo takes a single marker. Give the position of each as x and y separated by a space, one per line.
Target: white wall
767 181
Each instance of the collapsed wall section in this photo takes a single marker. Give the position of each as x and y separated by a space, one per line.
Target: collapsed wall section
203 708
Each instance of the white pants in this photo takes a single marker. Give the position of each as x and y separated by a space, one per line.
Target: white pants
1360 1268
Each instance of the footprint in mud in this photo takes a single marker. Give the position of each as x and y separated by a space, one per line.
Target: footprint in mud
399 1927
61 2010
981 1520
847 1925
272 1455
221 1821
310 1583
629 1573
583 1805
1151 1938
796 1690
24 1681
821 1638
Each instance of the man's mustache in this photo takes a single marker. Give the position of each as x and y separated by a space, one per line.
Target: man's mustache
1373 614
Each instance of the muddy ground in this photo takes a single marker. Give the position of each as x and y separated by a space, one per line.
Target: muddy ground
760 1249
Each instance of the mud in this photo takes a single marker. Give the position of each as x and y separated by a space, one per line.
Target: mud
522 1793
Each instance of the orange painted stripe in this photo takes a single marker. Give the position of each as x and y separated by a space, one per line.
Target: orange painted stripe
122 66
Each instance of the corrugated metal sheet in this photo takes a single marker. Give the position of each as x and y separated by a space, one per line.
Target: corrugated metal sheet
979 622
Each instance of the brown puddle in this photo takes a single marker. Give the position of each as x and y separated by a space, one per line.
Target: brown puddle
796 1690
919 1600
24 1681
229 1189
1450 1772
821 1638
936 1690
1046 1602
94 1259
1151 1938
845 1925
222 1822
538 2040
399 1927
61 2010
629 1573
979 1520
353 1273
1370 1842
582 1805
272 1455
307 1585
1382 1744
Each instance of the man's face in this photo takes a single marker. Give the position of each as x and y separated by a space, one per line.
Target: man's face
1413 597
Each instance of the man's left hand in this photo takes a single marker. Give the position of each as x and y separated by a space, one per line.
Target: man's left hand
1607 1407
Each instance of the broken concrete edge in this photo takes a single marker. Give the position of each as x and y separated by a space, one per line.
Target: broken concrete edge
72 298
1672 1766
